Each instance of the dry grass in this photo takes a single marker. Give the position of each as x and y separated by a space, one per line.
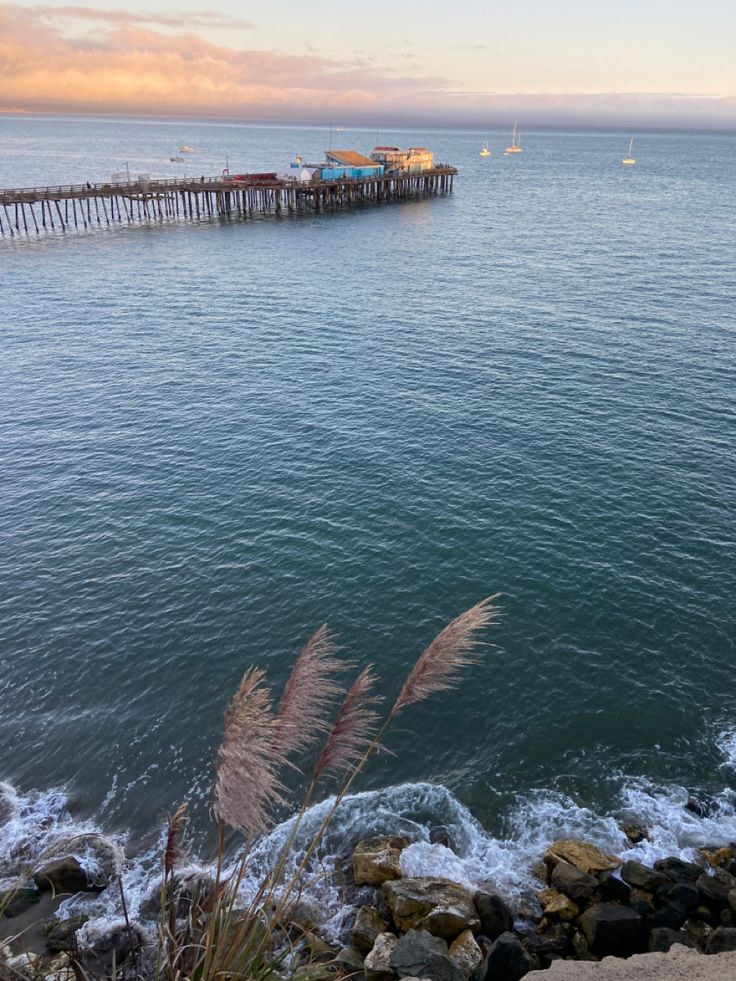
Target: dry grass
218 940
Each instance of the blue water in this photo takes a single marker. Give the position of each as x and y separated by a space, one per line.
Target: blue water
216 436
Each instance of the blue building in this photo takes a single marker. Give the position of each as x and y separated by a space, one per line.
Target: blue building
349 163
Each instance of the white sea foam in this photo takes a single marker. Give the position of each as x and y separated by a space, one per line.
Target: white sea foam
38 821
726 743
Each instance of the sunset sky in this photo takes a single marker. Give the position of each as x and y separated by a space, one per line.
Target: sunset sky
595 62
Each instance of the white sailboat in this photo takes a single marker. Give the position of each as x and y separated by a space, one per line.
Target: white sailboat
515 142
629 159
485 152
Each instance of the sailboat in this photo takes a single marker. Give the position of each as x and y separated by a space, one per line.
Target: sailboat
628 159
515 142
485 152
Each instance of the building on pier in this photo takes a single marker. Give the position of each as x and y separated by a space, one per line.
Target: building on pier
415 160
349 164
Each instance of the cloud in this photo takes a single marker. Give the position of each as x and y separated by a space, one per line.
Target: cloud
125 64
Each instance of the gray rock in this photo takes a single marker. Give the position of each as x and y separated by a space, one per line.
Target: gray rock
368 924
572 882
612 930
439 835
678 870
662 939
419 954
442 907
714 889
680 892
671 915
62 934
351 958
642 877
721 940
507 959
85 862
495 915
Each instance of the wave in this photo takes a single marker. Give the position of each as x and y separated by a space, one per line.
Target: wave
506 859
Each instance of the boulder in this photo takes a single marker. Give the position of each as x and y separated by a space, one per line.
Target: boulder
465 954
13 902
579 886
495 914
670 915
680 892
697 930
507 959
61 935
442 907
612 889
702 804
720 941
439 835
642 877
419 954
714 889
581 854
116 945
85 862
350 959
557 906
376 964
717 857
634 832
732 899
678 870
368 924
377 860
612 930
550 944
662 938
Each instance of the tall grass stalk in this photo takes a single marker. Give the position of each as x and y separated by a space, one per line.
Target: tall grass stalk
217 939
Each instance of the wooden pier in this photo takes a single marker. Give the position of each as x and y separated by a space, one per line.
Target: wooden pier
35 210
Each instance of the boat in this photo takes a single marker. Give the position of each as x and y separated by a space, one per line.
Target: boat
176 160
515 142
485 152
628 159
186 149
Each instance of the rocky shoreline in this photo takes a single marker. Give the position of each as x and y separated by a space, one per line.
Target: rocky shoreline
590 906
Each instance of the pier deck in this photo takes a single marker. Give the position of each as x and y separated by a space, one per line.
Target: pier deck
33 210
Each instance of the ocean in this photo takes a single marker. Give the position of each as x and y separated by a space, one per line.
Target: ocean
217 435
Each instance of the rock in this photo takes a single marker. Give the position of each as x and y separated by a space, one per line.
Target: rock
419 954
350 958
582 950
13 902
697 930
442 907
439 835
368 924
612 930
669 915
557 906
465 954
680 892
642 877
642 902
376 964
507 959
494 913
377 860
721 940
678 870
581 854
60 968
714 889
554 942
704 805
717 857
612 889
662 938
732 899
727 918
634 832
61 935
85 862
114 945
579 886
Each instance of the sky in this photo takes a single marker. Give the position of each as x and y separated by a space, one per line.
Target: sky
464 62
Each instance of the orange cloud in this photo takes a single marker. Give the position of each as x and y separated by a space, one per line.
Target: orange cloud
125 65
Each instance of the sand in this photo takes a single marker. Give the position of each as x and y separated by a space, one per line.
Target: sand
680 964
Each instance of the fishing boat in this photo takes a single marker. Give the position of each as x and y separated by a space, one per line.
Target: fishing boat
629 159
176 160
515 142
485 152
186 149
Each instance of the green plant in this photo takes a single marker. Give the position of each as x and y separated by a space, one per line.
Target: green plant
207 934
